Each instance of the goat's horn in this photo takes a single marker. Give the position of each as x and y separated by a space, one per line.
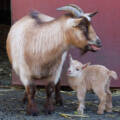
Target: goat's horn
77 7
93 14
72 8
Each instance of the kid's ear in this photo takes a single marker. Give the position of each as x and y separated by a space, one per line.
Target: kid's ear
85 65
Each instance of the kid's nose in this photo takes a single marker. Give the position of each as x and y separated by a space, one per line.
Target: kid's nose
69 71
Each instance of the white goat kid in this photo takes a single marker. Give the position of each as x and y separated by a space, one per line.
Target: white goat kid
83 77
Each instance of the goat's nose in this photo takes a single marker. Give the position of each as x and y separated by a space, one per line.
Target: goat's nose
99 43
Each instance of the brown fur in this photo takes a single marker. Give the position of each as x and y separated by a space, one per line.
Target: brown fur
32 107
8 50
49 108
58 97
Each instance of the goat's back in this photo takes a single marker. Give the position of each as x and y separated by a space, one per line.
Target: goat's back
34 46
96 75
17 32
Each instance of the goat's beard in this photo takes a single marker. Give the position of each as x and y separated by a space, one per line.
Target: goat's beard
86 49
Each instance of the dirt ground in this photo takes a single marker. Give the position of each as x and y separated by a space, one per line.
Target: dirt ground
12 108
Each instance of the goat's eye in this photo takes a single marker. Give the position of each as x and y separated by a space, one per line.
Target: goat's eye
84 28
77 69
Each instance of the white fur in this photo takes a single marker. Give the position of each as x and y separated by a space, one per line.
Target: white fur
72 69
70 22
87 16
81 109
48 37
24 78
58 73
18 62
74 72
17 44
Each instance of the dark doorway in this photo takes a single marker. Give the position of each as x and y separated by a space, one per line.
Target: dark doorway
5 23
5 12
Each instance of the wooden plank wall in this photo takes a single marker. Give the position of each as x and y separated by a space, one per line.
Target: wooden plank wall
106 24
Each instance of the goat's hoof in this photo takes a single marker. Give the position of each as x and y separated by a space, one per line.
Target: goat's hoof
24 100
32 110
49 109
99 112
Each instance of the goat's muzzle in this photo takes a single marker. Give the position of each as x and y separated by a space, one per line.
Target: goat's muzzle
92 46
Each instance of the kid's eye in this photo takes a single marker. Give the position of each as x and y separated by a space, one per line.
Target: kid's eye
77 69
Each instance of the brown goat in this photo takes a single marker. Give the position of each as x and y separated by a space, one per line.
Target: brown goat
83 77
38 49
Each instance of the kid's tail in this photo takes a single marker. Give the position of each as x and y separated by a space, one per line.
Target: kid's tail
113 74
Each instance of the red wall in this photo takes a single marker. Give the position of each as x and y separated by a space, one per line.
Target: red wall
106 24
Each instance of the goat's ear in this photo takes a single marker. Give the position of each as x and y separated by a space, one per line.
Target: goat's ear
88 16
85 65
70 57
76 21
92 14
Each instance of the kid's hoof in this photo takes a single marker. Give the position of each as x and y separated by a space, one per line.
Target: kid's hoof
109 110
81 112
100 112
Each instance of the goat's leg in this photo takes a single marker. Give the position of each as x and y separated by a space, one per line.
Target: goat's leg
49 108
81 97
24 100
30 93
32 107
102 96
58 96
108 100
101 106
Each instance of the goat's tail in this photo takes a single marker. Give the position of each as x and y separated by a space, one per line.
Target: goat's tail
113 74
35 15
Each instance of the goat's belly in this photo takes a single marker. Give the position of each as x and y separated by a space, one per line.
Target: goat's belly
44 68
44 71
42 74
